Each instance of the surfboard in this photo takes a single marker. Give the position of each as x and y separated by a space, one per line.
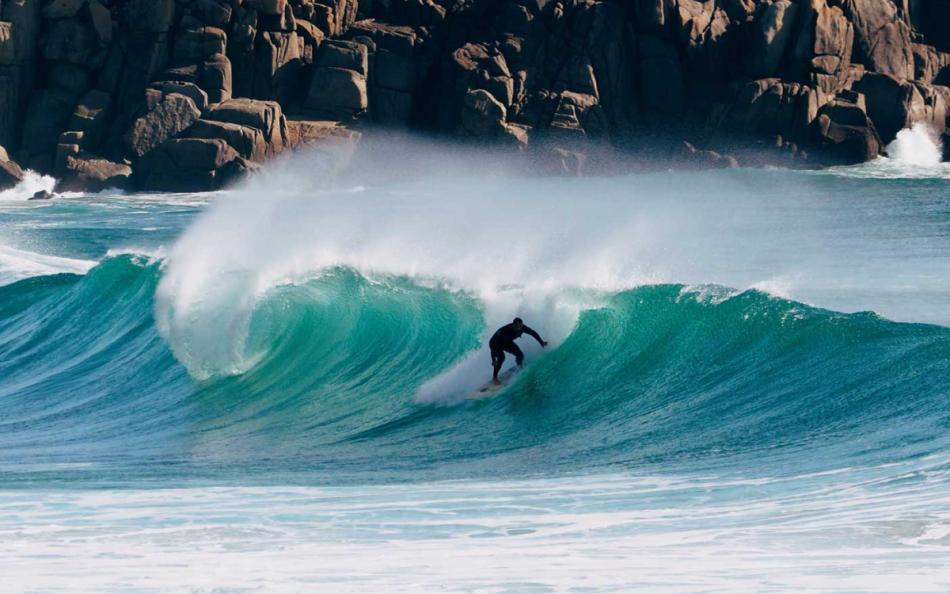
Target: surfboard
491 389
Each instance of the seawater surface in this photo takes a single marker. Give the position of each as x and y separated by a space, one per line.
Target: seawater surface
265 389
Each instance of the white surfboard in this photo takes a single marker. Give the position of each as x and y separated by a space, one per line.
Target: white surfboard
492 389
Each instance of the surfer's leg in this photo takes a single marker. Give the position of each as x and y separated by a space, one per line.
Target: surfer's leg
497 358
514 350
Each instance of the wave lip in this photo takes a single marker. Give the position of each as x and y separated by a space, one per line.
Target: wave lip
16 265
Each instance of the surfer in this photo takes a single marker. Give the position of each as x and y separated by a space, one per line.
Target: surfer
504 340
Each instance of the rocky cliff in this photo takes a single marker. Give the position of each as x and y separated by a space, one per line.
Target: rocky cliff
189 94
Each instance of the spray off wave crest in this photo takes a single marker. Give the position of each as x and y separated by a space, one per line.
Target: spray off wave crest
510 255
544 249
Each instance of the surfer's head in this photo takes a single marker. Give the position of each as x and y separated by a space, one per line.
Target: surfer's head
519 323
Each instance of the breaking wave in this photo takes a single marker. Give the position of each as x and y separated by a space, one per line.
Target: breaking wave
333 368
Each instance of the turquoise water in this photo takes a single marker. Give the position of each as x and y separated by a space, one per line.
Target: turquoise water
746 390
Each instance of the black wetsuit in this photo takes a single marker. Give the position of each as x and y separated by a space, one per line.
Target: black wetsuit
504 340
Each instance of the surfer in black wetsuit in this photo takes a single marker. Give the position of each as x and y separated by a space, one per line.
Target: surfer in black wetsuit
504 340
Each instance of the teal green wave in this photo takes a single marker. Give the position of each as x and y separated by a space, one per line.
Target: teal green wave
656 376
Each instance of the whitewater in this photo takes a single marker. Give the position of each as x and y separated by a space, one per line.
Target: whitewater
265 389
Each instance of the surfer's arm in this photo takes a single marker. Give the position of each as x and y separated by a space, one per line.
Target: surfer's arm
535 335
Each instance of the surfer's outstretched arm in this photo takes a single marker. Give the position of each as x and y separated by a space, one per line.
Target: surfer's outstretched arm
535 335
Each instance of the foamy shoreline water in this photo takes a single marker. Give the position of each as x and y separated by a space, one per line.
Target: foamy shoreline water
869 531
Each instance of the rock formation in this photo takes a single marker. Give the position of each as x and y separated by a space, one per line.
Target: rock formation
190 94
10 172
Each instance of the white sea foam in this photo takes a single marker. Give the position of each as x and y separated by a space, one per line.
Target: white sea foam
16 264
32 183
144 255
916 153
776 287
918 145
880 530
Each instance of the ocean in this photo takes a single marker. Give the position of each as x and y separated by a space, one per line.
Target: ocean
267 389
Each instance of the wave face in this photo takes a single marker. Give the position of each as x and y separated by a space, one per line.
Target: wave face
297 334
334 366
